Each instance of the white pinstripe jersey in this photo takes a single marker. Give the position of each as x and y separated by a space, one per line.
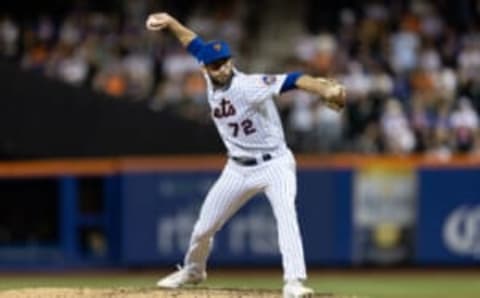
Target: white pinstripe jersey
245 114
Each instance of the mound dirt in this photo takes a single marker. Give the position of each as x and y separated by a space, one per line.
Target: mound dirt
144 293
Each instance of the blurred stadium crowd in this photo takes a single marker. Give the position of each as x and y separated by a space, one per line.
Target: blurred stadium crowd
411 72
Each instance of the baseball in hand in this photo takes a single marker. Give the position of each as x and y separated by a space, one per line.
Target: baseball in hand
157 21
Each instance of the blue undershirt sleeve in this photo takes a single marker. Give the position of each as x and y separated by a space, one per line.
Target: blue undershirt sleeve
289 83
195 47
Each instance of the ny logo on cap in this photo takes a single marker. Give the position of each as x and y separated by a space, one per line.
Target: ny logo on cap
217 47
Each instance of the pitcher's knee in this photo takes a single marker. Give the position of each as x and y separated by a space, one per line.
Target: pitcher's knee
203 234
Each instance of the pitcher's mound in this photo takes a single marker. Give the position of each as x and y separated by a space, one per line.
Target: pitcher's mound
145 293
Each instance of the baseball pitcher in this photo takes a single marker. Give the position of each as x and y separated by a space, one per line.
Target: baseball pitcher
243 110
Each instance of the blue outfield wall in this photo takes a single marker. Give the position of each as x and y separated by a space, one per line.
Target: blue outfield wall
448 218
159 211
376 214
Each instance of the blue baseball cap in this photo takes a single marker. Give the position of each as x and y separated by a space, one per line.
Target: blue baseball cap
215 50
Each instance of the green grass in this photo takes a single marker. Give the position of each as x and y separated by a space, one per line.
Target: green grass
377 285
391 286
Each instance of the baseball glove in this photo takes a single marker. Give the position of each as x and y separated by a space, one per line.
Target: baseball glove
334 95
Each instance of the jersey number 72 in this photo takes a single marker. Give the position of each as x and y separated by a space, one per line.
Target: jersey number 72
246 125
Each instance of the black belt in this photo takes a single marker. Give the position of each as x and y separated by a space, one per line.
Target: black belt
248 161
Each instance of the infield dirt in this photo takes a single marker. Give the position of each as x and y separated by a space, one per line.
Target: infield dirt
144 293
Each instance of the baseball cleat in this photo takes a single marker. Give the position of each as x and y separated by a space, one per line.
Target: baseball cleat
295 289
183 276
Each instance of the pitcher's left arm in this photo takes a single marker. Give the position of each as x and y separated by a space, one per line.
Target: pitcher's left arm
332 92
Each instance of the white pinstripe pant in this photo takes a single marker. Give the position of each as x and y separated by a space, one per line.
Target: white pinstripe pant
236 185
